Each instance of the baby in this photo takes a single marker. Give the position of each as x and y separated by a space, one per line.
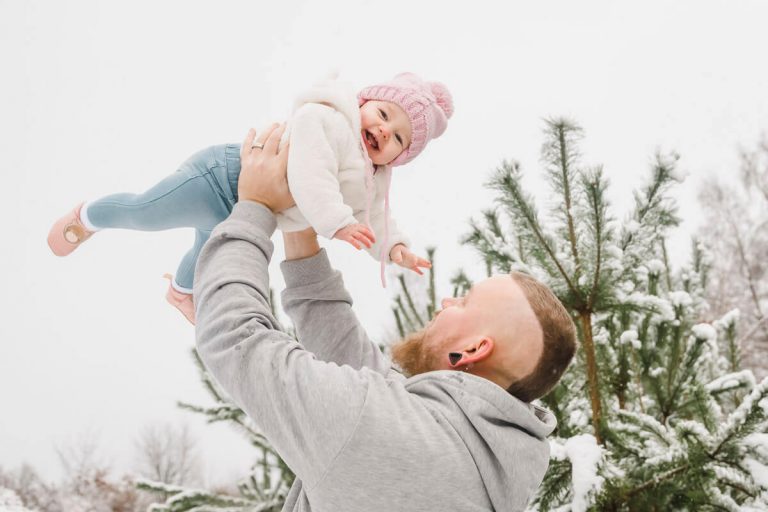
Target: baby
342 150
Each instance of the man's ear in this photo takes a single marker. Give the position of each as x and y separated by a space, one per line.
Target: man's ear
478 351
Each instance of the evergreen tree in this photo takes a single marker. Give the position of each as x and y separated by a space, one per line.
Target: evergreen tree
734 222
651 415
264 489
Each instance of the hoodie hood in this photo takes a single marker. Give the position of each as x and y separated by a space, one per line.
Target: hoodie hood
506 437
336 94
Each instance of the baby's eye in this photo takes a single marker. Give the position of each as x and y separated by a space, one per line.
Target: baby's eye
399 139
383 114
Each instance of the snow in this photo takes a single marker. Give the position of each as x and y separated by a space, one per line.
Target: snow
728 319
732 380
655 266
614 251
695 428
704 332
655 372
578 418
679 175
739 416
628 336
557 449
10 502
680 298
730 475
724 501
632 226
662 306
759 472
627 287
585 456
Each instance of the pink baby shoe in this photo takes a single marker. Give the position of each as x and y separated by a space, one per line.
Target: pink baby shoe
181 301
68 233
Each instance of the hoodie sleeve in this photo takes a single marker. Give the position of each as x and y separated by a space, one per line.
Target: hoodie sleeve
321 310
308 409
313 169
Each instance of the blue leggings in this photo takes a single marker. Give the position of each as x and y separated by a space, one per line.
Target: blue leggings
200 194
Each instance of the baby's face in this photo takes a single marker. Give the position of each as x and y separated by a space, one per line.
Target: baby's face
386 130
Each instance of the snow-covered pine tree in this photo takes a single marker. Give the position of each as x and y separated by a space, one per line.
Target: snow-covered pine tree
264 489
735 229
651 416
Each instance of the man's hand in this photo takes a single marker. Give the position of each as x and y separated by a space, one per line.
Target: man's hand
263 170
356 234
406 259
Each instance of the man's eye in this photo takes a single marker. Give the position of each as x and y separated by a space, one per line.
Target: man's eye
383 114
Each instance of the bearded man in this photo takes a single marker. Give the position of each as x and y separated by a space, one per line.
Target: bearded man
454 430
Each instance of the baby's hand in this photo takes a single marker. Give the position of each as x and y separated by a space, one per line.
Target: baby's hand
406 259
356 234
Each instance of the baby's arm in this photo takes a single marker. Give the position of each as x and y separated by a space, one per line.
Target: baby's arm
313 170
397 245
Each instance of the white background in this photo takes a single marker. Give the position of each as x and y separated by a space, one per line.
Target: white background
103 97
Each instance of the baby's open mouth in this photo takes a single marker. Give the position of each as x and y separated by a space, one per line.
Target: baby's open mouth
371 139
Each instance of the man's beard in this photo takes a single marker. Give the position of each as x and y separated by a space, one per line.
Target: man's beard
413 356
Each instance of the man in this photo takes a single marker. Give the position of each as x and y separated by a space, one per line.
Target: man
457 434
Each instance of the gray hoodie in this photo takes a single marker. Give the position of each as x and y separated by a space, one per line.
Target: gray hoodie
357 434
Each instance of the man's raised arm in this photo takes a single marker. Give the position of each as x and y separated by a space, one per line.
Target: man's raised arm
321 308
307 408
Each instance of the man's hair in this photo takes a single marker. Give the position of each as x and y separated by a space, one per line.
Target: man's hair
559 340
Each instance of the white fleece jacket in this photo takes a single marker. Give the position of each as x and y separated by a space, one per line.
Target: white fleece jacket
330 175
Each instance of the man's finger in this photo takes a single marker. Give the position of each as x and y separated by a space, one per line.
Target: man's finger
282 159
273 141
247 143
262 138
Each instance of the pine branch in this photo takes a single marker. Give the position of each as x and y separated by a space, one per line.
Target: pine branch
561 154
461 283
520 207
431 295
653 214
653 482
399 321
747 418
595 187
406 292
408 321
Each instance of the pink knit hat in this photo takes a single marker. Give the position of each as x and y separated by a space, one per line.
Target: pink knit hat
429 105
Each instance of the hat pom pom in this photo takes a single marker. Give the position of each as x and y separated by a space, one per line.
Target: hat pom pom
442 97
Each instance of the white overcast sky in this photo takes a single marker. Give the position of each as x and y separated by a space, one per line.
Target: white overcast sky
103 97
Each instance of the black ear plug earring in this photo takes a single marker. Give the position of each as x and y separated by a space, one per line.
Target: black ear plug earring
454 357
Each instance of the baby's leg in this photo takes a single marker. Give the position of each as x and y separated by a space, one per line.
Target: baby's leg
190 197
186 272
198 195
